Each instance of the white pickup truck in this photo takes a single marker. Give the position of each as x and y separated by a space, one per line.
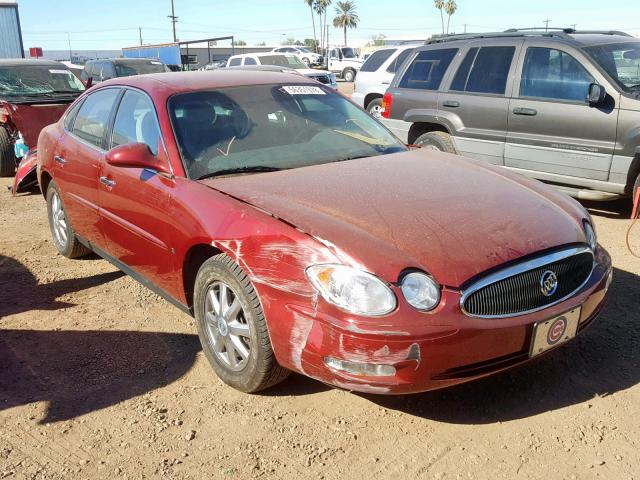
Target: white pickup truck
344 62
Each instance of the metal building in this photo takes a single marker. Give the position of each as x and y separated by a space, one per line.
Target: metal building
10 33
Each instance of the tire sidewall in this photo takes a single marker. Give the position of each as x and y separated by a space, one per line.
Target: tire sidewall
349 72
62 249
214 270
7 156
428 140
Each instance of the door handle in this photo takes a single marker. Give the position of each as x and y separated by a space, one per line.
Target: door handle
451 103
530 112
107 181
60 159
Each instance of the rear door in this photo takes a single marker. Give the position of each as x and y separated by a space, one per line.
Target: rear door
552 128
134 202
475 103
77 159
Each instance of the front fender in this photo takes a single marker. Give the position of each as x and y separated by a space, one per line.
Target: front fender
26 178
452 122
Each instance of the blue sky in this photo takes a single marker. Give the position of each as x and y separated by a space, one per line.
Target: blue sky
112 24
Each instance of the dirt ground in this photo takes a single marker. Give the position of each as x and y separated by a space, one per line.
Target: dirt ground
100 378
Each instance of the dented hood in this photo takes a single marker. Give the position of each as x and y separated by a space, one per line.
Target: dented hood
447 215
31 118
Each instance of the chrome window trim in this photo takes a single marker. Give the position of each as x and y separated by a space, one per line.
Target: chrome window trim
522 268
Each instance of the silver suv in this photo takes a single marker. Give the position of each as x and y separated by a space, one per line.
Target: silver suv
562 106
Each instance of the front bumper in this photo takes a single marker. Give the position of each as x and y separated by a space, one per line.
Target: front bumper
428 350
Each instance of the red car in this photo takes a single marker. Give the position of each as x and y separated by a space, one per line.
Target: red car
303 236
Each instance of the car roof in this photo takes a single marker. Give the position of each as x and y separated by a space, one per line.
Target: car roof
15 62
202 80
262 54
123 60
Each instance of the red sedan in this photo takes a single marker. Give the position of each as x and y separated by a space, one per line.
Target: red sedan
303 236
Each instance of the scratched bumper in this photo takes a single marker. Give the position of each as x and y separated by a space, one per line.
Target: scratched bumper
428 351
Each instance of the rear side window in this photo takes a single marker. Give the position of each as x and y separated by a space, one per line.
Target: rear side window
71 116
234 62
136 122
93 117
427 69
484 70
398 61
375 61
250 61
551 73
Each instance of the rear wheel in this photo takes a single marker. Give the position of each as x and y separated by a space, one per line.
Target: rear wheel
349 75
375 108
7 155
64 237
232 328
440 141
306 61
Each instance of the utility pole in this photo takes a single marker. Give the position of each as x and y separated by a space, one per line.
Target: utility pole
574 25
69 40
174 19
140 30
465 28
546 24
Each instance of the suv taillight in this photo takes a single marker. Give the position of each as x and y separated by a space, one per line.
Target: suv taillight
387 100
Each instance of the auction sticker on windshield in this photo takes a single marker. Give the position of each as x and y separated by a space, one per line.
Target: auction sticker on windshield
303 90
62 72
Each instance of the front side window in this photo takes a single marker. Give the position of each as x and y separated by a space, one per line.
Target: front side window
398 61
551 73
93 117
484 70
622 62
234 62
376 59
428 68
237 129
136 122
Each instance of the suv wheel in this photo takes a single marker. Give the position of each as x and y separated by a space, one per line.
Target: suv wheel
440 141
232 328
306 61
375 108
349 75
64 237
7 156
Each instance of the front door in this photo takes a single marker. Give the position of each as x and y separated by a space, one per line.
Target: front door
77 160
135 202
552 128
477 99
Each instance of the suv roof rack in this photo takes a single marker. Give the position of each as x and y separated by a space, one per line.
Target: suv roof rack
525 32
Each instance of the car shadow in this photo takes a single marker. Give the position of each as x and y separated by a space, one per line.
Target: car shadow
603 360
616 209
21 292
78 372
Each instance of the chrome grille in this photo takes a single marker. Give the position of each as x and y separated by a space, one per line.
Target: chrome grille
517 290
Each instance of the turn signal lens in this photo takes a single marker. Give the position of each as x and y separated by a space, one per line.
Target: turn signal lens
387 100
420 291
367 369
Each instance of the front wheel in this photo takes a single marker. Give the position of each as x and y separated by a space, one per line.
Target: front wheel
440 141
64 237
306 61
232 327
349 75
7 155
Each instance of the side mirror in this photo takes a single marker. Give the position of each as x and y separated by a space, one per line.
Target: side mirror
597 94
89 83
136 155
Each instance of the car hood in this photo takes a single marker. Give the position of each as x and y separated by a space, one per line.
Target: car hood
312 72
31 118
447 215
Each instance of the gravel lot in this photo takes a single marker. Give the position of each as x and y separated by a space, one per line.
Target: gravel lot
99 378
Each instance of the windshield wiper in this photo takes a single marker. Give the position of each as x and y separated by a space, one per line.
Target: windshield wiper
231 171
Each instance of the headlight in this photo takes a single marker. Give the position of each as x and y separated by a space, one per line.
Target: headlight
352 290
590 233
420 290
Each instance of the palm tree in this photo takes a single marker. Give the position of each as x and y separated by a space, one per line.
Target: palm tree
450 7
346 17
313 22
320 6
440 6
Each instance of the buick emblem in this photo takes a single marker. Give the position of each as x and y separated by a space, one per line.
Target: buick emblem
548 283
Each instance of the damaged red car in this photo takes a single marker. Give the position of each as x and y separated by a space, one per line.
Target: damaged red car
304 237
33 94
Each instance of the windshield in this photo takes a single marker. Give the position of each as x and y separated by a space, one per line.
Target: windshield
289 61
128 69
267 127
33 80
303 49
621 61
348 52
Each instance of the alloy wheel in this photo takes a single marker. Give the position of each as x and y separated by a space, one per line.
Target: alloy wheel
59 221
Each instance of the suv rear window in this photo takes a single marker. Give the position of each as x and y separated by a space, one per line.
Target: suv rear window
428 68
375 61
484 70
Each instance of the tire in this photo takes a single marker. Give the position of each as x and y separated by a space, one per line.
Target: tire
238 347
64 237
440 141
349 75
7 155
306 61
375 108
